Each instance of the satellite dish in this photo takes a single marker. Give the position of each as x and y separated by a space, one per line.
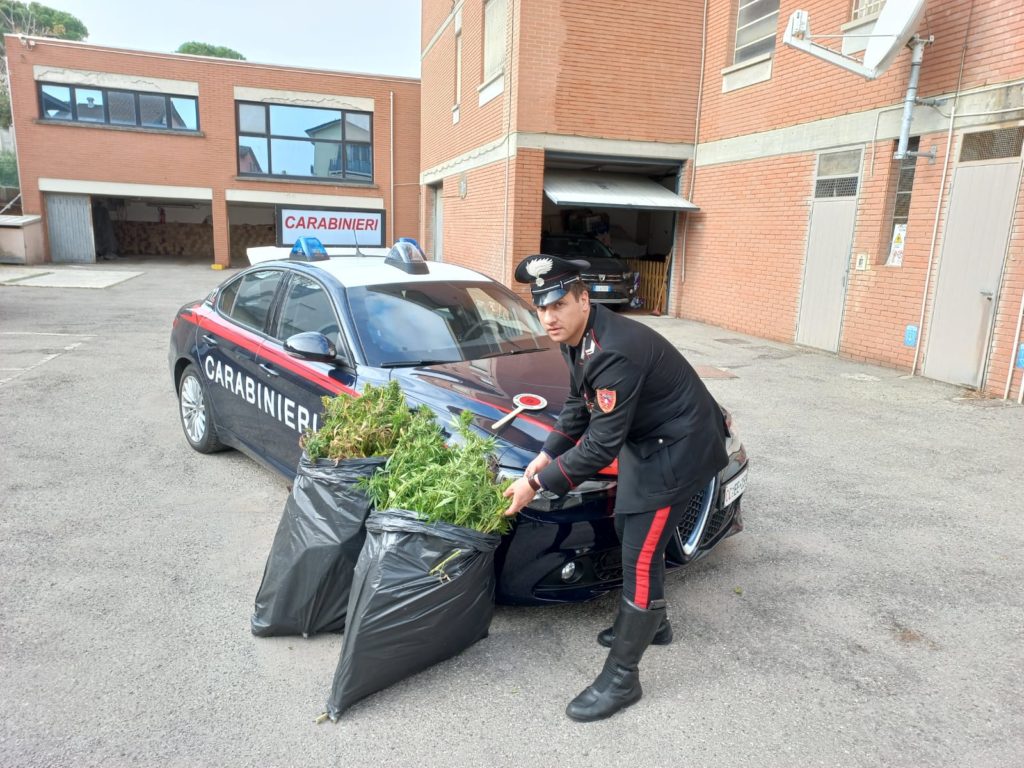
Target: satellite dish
895 25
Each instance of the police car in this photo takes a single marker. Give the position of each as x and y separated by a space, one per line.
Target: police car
251 361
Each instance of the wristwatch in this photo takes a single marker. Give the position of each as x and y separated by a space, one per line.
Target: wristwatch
533 481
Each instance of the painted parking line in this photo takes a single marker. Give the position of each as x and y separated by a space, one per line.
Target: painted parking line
8 374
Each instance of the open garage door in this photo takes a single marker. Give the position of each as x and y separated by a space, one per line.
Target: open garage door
620 215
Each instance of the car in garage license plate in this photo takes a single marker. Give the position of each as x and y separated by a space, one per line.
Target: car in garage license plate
734 488
601 288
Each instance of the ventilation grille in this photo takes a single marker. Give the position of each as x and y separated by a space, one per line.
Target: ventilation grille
992 145
836 187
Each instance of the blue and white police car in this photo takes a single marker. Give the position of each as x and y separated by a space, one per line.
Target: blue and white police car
251 361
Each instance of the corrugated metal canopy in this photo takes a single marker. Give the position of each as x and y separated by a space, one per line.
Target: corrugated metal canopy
611 190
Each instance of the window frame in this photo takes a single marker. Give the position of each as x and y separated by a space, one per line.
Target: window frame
736 48
343 143
106 121
864 10
499 68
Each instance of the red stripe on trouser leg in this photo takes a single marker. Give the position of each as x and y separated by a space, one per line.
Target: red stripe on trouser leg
643 563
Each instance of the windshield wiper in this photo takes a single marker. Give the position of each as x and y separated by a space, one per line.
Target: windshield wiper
514 352
414 363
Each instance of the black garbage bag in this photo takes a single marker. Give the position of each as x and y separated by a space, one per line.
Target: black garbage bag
306 582
422 592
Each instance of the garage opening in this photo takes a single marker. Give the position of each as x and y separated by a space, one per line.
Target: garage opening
252 226
151 228
619 214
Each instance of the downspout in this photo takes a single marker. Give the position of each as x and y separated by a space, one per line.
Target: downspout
508 145
693 160
392 164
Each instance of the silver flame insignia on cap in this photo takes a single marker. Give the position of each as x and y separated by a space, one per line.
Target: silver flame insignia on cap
538 268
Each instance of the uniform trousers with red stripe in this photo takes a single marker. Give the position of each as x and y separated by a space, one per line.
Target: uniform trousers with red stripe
644 537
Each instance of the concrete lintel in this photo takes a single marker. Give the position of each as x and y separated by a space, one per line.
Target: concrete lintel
122 189
302 198
301 98
114 80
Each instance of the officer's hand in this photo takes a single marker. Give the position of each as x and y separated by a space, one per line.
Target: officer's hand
521 494
537 464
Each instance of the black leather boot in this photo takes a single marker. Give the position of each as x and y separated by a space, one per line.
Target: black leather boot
618 685
662 637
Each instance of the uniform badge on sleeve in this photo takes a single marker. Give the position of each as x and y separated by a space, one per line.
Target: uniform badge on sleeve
606 399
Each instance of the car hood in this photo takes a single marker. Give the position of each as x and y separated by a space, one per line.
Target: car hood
486 387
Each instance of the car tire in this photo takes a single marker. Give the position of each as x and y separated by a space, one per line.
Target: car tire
196 414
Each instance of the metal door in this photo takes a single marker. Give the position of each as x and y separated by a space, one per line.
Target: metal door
438 223
829 240
970 268
69 226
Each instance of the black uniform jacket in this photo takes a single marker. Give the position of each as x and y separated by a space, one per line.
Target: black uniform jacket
634 397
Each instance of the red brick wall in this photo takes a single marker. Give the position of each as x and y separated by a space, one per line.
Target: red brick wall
105 154
746 247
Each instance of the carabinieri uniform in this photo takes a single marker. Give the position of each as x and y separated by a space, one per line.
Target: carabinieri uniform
634 397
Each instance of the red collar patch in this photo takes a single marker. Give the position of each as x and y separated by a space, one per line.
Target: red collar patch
606 399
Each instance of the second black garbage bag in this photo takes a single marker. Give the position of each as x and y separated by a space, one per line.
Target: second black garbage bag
422 592
308 576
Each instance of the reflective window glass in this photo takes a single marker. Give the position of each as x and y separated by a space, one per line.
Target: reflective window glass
121 108
305 122
307 307
254 297
359 161
291 158
153 110
184 114
357 127
89 105
252 155
252 118
56 102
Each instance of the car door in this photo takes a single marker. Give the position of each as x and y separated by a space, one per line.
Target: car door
228 347
297 384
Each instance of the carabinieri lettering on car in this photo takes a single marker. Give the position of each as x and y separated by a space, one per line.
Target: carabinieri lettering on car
266 399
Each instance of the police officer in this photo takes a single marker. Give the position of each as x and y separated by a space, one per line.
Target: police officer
633 397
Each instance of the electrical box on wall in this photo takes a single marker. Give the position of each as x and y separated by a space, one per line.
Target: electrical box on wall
862 261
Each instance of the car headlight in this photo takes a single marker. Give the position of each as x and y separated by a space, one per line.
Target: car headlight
545 501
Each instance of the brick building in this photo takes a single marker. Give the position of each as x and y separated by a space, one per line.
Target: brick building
808 229
134 152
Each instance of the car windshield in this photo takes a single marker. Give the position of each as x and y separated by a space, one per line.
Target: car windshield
430 322
583 248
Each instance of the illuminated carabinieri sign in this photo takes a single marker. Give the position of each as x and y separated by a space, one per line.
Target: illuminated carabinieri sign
331 227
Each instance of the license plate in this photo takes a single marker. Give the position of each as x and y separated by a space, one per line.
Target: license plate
602 289
734 488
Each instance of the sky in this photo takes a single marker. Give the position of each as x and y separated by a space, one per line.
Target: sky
372 36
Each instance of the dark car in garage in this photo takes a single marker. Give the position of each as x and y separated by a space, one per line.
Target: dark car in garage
251 361
610 279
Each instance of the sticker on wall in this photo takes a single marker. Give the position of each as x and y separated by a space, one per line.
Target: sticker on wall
1020 356
899 237
910 336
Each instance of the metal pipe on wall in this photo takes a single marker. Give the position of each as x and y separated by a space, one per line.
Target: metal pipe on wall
391 218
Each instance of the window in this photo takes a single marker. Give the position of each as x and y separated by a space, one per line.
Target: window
494 39
905 182
755 29
306 142
863 9
458 58
247 301
838 174
105 106
307 307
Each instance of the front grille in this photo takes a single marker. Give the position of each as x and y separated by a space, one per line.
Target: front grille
608 564
691 516
714 526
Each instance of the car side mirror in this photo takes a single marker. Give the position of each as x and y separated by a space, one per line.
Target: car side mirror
311 345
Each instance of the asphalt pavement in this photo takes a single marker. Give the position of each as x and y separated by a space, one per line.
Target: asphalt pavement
870 614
